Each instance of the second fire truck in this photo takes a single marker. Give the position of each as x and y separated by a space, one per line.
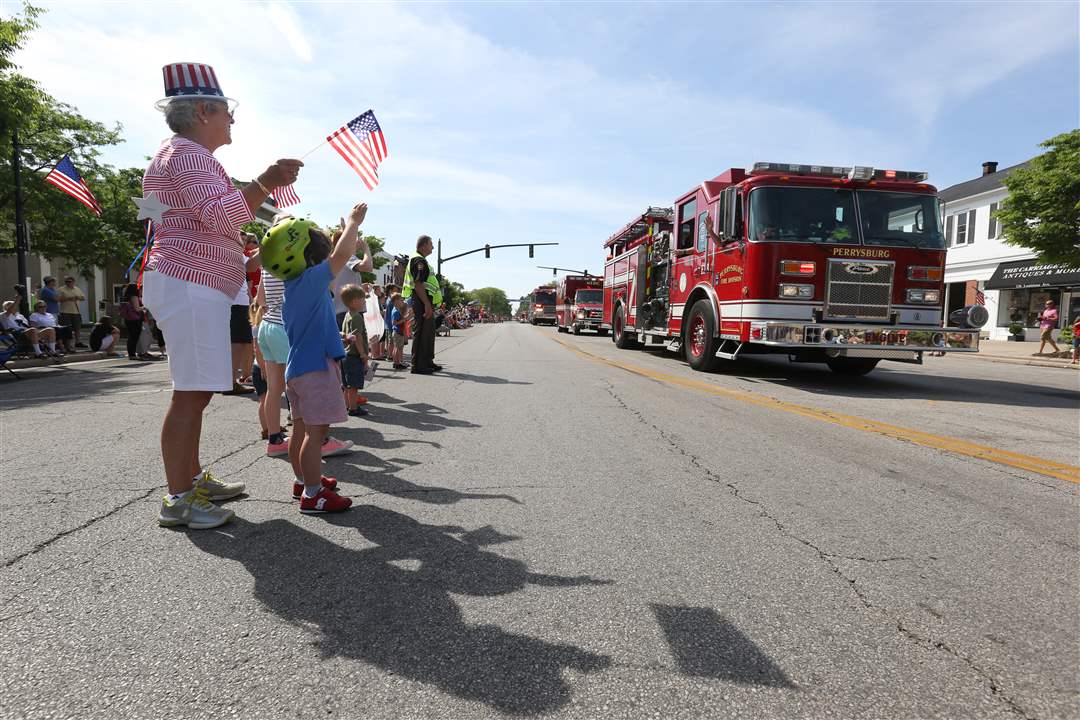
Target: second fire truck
579 304
840 265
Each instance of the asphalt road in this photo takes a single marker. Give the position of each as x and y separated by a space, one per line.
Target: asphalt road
540 532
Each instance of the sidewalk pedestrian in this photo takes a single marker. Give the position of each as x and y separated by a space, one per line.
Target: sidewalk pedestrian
44 320
195 269
1075 341
299 252
70 296
104 336
50 295
1048 320
13 322
131 310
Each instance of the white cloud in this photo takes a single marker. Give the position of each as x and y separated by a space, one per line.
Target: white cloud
288 24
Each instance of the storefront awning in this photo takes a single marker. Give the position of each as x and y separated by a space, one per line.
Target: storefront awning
1029 274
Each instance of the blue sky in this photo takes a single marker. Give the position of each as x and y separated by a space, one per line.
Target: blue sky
557 122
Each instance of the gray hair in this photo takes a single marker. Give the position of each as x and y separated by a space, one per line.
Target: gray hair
180 114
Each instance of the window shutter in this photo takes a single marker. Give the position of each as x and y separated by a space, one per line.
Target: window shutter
991 233
948 231
971 226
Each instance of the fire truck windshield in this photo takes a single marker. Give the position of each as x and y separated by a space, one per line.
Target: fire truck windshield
824 215
890 218
594 297
544 298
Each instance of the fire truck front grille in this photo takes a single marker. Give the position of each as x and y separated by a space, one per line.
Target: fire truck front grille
858 290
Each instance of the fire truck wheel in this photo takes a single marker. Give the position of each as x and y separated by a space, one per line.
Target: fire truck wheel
623 340
577 330
851 366
700 341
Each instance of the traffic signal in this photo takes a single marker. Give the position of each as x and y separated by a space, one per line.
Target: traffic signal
530 251
487 251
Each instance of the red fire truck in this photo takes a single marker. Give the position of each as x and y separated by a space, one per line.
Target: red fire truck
823 264
542 305
579 304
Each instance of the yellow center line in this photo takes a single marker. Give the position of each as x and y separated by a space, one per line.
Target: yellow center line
957 446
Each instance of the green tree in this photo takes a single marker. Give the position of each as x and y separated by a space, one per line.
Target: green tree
492 299
49 129
453 292
1042 211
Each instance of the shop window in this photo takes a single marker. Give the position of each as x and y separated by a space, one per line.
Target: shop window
1024 306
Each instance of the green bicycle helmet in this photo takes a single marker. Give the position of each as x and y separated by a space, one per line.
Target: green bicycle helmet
284 246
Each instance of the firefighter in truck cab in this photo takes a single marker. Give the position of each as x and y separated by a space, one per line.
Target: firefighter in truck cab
835 265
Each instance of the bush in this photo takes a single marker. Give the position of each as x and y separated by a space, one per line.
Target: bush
1016 328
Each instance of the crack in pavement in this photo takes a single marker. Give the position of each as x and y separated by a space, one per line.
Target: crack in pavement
827 558
44 544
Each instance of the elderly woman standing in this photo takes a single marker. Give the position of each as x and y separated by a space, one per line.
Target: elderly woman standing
195 269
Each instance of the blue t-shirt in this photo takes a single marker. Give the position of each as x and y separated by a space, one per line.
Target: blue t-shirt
386 315
395 318
51 298
308 315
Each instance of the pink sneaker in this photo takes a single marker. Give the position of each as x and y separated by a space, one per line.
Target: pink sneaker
278 449
333 446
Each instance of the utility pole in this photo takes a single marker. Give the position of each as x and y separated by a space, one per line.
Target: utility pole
21 244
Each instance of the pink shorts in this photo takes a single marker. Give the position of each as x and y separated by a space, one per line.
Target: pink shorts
316 397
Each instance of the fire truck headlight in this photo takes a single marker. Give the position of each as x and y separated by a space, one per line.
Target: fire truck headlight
924 297
581 314
803 292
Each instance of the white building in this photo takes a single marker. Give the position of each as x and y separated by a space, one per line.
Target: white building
978 260
385 274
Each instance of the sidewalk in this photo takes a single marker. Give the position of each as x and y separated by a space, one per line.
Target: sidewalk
1020 353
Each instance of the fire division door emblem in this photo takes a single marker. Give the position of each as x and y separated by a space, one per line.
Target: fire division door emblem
682 282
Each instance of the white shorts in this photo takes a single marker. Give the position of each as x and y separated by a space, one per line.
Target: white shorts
106 342
195 322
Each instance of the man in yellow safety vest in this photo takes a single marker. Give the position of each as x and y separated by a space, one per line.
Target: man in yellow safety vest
421 289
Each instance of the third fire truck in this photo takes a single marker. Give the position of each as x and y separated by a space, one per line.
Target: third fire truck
579 304
542 305
840 265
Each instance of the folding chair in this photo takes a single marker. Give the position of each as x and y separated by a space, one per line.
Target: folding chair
9 347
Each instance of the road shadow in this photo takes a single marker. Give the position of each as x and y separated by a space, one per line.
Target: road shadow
482 379
391 605
377 471
414 416
890 381
704 644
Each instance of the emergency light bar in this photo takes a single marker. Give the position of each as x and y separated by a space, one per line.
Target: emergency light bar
858 172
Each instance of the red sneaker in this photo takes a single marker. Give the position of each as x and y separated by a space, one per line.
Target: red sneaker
327 482
361 400
327 501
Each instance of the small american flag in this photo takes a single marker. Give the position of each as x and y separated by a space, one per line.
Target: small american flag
67 178
361 143
285 196
980 297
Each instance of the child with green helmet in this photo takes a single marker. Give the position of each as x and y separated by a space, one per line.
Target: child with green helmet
301 253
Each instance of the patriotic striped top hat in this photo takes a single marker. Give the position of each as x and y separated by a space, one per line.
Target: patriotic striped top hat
191 81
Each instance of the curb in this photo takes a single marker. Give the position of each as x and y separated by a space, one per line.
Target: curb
1022 361
28 364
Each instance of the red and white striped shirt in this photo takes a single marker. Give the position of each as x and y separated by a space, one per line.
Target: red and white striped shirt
198 239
